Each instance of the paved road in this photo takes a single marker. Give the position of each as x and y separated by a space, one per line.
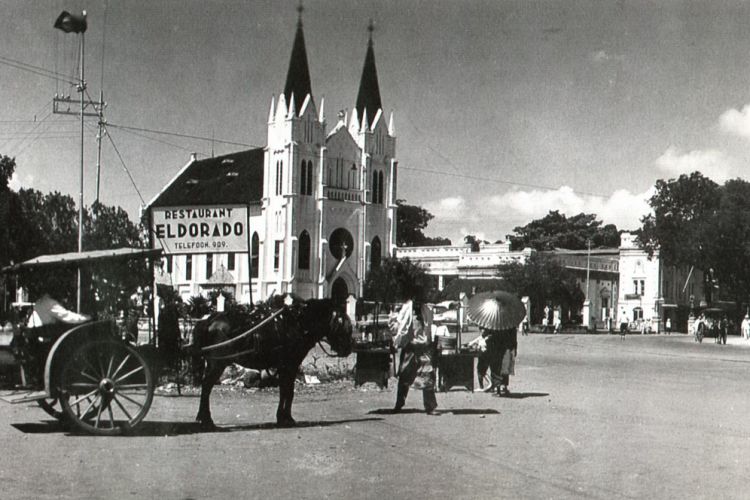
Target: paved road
592 417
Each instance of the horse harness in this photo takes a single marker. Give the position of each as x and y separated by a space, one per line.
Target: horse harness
272 333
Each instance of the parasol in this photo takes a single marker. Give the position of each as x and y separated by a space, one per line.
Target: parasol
496 310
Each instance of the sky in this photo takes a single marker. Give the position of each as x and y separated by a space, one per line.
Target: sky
503 110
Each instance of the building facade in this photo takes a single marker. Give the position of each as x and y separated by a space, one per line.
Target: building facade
619 284
319 203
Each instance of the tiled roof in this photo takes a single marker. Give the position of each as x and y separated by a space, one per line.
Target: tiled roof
235 178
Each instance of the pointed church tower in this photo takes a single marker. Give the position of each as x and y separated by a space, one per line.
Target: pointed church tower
292 164
368 97
375 138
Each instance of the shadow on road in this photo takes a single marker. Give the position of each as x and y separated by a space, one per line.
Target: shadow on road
457 411
152 429
524 395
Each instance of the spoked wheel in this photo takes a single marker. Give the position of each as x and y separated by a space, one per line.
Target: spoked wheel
107 387
52 407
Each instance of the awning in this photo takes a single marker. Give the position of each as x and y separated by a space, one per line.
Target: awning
85 257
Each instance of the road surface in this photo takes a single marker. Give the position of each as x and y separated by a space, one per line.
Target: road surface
592 417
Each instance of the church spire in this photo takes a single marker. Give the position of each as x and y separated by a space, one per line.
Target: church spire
368 97
298 76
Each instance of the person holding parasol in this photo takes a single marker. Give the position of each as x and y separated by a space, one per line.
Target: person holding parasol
498 315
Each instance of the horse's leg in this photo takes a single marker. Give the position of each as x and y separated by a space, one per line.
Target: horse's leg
286 395
211 376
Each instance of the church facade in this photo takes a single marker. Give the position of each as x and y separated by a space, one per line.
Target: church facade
311 213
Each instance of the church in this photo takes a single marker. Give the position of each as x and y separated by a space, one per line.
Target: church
310 213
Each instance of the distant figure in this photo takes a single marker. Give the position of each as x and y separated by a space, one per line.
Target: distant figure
668 326
545 323
557 323
623 326
723 330
745 327
525 326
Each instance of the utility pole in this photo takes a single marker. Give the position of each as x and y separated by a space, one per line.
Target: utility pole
70 23
99 106
587 302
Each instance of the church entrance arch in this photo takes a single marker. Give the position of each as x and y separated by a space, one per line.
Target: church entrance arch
339 291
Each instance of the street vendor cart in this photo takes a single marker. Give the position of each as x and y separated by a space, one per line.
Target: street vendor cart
79 370
373 347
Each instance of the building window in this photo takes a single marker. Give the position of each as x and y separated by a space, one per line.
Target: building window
309 177
209 265
637 314
230 261
279 177
188 267
304 251
255 252
276 255
374 186
380 187
303 177
375 253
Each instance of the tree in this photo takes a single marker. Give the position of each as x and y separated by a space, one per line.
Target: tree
411 220
543 280
555 230
397 280
40 224
698 223
676 228
7 168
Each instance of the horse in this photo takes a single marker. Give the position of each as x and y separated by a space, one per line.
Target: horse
270 336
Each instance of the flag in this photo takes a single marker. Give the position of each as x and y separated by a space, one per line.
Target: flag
69 23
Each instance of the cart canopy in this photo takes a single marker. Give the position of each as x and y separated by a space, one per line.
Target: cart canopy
85 257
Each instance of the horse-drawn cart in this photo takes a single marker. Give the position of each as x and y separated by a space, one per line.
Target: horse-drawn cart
80 371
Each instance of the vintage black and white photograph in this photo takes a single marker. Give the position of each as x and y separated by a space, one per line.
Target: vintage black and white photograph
349 249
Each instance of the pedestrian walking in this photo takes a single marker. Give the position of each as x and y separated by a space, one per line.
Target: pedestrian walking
668 326
623 326
498 315
502 347
416 367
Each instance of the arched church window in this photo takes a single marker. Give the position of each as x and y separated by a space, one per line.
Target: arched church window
303 261
374 186
309 177
353 177
255 254
303 177
375 253
380 187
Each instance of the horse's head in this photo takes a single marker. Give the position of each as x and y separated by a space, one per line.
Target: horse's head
324 320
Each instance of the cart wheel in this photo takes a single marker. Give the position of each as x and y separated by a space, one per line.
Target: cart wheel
107 387
52 408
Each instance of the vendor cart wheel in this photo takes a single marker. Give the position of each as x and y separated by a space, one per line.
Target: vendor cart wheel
52 407
106 387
